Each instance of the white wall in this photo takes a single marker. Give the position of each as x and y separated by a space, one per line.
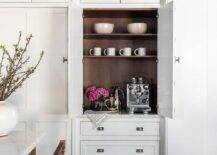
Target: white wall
186 133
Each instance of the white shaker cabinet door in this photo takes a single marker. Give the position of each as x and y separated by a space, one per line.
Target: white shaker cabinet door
47 88
101 1
166 60
140 1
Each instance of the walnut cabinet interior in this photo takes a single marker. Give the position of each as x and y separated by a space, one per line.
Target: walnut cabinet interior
108 71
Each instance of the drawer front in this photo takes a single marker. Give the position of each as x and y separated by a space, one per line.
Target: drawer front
119 147
100 1
140 1
121 129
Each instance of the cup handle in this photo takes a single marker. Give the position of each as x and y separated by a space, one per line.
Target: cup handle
136 51
105 52
120 52
91 51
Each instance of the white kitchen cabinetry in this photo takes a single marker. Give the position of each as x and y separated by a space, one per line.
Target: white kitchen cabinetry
119 147
140 1
119 135
101 1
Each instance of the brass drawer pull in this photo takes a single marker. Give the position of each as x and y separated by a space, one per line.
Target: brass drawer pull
139 128
100 128
100 150
139 150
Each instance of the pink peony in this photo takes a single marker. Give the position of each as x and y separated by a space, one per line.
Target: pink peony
90 88
93 96
103 92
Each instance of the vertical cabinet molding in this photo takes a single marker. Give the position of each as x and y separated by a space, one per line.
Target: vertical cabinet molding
166 62
101 1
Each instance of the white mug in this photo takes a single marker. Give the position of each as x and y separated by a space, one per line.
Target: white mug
97 51
109 51
127 51
140 51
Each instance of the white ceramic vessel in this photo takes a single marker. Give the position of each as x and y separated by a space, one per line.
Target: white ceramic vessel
103 28
137 28
8 118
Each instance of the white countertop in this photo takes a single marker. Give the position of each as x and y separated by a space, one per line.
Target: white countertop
19 142
122 117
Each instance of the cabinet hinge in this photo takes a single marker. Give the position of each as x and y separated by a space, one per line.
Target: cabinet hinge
157 15
157 61
83 16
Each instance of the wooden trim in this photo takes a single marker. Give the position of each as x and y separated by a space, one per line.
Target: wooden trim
60 150
33 152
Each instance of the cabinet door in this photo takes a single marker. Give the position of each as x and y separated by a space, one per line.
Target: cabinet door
166 62
141 1
101 1
47 88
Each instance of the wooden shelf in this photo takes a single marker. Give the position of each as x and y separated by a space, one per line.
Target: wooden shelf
118 35
121 57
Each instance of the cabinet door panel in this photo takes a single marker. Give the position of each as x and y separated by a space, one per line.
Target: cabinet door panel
9 33
141 1
165 56
47 88
101 1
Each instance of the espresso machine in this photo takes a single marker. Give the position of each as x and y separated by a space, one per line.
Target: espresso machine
138 96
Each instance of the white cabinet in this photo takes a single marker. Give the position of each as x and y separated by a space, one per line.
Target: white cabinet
48 85
118 135
101 1
166 60
140 1
119 147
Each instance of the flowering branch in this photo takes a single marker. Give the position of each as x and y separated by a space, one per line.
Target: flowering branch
12 72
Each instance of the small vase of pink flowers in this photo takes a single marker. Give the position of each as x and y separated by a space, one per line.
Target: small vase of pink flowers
97 97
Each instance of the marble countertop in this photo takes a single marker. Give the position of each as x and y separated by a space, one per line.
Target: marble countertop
19 142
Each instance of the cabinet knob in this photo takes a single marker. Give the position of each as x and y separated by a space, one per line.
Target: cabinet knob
139 128
100 128
139 150
177 59
65 59
100 150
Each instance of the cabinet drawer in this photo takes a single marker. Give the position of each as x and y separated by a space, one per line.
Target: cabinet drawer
141 1
101 1
119 147
121 129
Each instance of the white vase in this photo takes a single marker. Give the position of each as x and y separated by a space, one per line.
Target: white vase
8 118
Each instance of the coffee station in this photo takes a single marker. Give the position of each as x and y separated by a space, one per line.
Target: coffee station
123 55
119 83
